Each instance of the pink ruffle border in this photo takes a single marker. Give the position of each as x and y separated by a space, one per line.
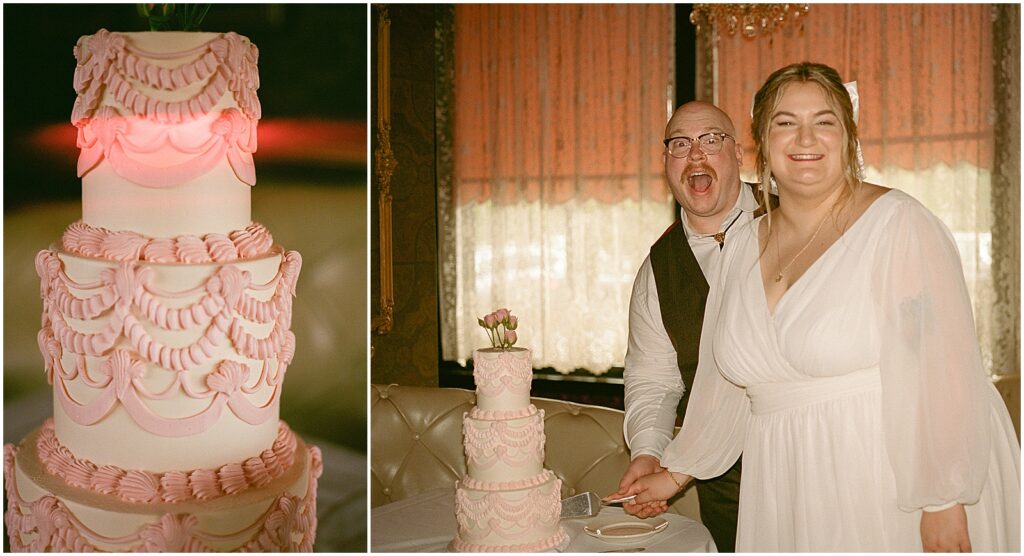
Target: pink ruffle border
288 525
89 241
502 486
172 486
539 546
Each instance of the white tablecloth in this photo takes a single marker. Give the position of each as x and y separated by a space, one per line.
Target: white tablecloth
426 523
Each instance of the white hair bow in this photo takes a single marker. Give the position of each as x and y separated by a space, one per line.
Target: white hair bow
851 89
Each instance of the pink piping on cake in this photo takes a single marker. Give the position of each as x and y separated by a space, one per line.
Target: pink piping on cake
173 486
129 285
82 239
46 524
504 486
514 444
539 546
107 136
110 62
223 305
489 512
500 415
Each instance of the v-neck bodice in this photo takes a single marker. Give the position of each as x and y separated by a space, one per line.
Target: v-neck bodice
812 330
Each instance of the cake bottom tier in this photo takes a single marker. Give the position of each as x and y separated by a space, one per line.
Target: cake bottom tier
46 514
518 516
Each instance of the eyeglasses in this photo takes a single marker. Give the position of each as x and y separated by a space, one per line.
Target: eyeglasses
710 143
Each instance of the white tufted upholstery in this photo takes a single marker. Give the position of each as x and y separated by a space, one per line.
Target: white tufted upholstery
416 444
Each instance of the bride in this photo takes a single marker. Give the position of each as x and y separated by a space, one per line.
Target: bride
839 356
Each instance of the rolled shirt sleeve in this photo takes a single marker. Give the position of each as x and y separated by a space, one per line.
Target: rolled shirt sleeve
653 385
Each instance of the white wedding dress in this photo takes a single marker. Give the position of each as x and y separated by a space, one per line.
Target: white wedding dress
859 402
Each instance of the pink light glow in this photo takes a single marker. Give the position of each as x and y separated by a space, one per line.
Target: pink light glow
280 140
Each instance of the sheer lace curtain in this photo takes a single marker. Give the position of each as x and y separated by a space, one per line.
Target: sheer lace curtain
556 188
929 123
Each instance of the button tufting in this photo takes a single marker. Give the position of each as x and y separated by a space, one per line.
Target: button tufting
383 395
416 436
574 410
572 491
387 490
622 449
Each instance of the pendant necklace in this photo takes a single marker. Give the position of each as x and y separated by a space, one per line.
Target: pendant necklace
720 236
801 252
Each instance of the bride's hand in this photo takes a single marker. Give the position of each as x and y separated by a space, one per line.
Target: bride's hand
945 531
657 486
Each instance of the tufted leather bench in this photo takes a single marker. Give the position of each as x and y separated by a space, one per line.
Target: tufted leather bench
416 444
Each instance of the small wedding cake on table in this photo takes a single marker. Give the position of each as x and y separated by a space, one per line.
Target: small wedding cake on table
507 502
166 321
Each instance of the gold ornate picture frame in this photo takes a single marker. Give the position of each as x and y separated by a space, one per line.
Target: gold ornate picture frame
384 167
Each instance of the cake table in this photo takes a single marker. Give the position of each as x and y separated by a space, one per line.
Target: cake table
426 523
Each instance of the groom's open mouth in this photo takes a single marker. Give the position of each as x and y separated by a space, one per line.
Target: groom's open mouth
700 180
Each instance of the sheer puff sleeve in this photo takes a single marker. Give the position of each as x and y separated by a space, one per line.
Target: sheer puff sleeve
714 428
937 401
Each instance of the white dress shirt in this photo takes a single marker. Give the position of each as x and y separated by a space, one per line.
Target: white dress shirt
653 385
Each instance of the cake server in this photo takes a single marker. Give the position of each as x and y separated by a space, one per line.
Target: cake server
587 504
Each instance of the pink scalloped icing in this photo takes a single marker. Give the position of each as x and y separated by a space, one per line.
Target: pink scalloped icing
494 514
502 415
174 486
126 297
503 486
110 66
516 443
506 372
89 241
111 62
47 525
540 546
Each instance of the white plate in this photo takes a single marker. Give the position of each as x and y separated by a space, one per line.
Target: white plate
624 528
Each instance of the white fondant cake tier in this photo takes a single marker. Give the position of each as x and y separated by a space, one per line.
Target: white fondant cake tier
166 366
521 516
504 445
46 514
167 127
503 378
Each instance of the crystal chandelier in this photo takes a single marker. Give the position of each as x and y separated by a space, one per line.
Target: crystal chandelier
751 19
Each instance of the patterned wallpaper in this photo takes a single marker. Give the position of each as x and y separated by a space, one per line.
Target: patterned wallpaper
408 355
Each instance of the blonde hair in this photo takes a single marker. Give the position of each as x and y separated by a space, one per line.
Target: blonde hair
767 99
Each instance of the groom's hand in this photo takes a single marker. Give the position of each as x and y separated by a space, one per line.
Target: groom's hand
641 466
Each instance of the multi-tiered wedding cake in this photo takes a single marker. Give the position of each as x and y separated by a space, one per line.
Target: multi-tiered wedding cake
166 316
507 502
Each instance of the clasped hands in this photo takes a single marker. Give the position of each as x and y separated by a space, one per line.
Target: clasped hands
651 483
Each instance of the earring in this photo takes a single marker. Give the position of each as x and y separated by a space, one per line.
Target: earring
773 187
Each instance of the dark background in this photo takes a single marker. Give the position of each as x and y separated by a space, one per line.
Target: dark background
312 65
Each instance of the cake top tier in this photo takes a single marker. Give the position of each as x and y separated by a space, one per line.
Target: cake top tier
503 378
167 127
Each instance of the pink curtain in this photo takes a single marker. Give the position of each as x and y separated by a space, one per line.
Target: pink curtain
924 73
554 102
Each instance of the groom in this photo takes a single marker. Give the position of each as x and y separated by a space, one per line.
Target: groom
666 311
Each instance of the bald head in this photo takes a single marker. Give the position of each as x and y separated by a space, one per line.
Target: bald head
706 185
701 114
